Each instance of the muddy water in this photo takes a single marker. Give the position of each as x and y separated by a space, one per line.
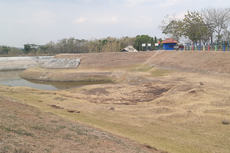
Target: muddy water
12 78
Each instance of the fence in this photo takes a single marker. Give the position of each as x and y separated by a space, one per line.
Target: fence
207 47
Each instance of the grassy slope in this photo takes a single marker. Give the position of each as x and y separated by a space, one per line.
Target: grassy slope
25 129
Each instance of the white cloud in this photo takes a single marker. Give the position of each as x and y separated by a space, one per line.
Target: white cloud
114 19
178 16
80 20
181 15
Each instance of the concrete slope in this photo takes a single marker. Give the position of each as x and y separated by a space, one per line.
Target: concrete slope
16 63
22 63
61 63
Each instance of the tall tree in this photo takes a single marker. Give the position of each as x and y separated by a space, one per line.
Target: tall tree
27 48
218 18
226 35
140 40
171 26
194 27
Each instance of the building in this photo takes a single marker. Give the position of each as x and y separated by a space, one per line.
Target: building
169 43
129 48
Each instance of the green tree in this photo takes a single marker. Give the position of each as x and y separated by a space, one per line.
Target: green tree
43 47
194 27
27 48
140 40
5 49
15 51
218 19
171 26
104 42
173 29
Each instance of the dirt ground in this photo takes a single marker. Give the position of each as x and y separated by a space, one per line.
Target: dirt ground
31 130
172 101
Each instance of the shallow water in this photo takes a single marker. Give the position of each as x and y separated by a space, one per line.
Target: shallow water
12 78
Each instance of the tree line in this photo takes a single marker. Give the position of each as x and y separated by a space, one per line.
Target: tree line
109 44
207 25
72 45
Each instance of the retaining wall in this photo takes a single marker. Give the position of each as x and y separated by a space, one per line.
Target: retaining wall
21 63
61 63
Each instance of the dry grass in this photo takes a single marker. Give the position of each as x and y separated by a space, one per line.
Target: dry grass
25 129
168 110
172 113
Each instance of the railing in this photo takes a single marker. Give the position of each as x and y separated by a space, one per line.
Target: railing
207 47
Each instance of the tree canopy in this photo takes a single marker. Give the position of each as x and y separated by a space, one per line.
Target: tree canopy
196 26
143 39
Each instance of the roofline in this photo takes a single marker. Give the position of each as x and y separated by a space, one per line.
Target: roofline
169 42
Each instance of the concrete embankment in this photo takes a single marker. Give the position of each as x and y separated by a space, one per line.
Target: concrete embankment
61 63
21 63
104 66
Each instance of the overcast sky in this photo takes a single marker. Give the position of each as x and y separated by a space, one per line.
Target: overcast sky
42 21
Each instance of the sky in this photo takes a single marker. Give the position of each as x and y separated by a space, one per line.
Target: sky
41 21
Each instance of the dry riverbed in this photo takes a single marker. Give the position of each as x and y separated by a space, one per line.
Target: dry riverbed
170 110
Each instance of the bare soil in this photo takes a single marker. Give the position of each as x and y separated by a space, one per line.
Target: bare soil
210 62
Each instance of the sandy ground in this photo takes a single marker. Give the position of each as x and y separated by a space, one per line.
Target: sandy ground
176 105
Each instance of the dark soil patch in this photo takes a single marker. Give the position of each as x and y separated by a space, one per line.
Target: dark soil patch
156 90
55 106
146 93
60 99
72 111
96 91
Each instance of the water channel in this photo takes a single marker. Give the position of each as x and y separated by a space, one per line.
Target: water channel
12 78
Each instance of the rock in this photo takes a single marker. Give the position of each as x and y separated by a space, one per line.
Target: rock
112 108
129 48
71 110
225 122
56 107
201 83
